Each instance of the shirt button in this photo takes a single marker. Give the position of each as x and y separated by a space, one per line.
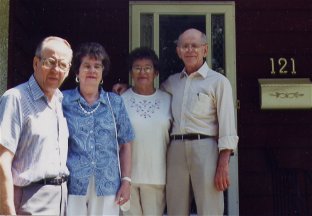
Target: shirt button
91 131
93 162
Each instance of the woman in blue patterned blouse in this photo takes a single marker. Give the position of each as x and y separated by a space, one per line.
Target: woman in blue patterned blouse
99 153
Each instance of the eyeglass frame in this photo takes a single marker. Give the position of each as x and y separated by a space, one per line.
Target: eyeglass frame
57 63
191 47
98 70
138 69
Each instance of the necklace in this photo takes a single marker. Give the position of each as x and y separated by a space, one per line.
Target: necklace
88 112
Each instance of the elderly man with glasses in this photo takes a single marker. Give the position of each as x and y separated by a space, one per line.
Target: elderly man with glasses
34 136
203 135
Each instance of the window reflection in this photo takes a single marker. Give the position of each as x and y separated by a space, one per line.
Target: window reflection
217 36
146 32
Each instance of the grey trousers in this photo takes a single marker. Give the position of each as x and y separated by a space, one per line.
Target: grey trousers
191 167
41 199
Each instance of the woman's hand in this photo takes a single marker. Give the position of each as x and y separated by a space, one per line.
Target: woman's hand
123 195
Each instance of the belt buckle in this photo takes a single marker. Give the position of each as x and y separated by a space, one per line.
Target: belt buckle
59 180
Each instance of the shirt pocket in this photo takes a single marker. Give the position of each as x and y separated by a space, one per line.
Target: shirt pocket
202 105
34 125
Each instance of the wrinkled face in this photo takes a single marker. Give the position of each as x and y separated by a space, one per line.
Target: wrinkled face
192 50
143 73
90 72
52 67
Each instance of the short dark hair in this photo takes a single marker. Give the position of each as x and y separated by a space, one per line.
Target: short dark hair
93 50
143 53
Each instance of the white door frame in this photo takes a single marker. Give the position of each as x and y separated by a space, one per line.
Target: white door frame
4 41
195 8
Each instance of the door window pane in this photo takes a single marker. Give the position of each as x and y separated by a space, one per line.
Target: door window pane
146 32
218 48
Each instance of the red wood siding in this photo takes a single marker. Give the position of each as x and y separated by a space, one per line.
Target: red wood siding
275 147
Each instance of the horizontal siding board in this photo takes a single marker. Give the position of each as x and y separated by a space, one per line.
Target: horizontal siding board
273 4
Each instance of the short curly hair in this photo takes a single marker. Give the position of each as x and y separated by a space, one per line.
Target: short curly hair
143 53
93 50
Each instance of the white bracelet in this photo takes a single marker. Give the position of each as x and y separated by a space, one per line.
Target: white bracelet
126 178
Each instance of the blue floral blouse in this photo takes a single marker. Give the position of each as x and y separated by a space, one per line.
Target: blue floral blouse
92 146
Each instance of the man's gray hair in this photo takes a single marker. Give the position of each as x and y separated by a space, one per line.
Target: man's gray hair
49 38
204 39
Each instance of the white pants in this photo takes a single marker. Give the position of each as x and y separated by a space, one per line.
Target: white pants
91 204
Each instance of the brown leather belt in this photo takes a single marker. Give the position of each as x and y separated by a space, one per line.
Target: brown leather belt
52 181
189 137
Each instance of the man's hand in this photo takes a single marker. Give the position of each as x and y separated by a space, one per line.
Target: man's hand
120 88
222 179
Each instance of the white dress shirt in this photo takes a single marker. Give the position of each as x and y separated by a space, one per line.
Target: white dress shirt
202 103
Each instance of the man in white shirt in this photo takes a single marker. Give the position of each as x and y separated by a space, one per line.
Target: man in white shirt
203 134
34 137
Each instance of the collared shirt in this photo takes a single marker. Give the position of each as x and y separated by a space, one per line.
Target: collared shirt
35 130
92 141
202 102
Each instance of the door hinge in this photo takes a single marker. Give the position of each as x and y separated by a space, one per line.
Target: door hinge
238 104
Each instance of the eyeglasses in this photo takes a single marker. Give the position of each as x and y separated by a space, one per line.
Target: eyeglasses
191 47
97 67
146 69
52 62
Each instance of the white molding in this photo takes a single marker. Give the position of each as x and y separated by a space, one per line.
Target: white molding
4 40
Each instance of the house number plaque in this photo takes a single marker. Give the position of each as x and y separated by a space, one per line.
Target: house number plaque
283 66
